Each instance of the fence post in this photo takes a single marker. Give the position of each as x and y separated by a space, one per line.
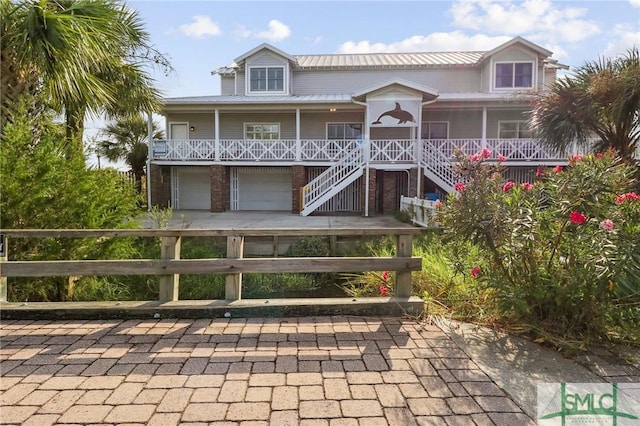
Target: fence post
233 287
3 258
403 278
169 284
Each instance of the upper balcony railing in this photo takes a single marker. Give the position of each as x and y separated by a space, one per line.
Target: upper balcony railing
383 151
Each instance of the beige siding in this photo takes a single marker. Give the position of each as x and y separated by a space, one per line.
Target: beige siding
314 125
265 59
462 124
232 125
241 83
203 123
493 117
515 53
331 82
227 86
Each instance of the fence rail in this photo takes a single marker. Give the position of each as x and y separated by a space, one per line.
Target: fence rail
170 266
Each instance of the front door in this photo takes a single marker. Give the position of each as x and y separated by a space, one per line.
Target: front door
179 131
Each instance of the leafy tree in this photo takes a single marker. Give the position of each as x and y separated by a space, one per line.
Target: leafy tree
42 187
601 99
127 140
77 56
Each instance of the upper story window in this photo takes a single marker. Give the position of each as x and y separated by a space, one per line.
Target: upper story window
514 130
262 131
266 79
511 75
435 130
344 130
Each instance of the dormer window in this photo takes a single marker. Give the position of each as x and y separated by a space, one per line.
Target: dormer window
513 75
266 79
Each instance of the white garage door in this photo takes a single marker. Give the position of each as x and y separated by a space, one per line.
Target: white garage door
191 188
263 188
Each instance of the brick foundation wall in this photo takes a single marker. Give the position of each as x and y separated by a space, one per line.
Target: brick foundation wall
372 192
220 189
413 184
389 192
298 180
160 186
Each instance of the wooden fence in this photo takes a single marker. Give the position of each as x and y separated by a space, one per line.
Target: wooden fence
170 266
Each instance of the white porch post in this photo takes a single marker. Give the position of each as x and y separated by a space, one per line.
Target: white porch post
484 127
298 141
216 133
367 154
149 154
418 154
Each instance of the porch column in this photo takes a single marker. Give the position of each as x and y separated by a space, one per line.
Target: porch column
298 180
216 132
298 141
149 155
219 188
484 127
418 153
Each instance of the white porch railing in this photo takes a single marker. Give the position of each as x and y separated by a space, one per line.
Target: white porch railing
383 151
419 210
333 180
437 166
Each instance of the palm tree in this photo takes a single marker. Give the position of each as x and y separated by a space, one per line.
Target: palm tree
601 100
127 140
76 56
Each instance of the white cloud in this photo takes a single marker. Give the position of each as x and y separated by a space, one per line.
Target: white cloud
625 38
537 19
276 31
200 27
436 42
635 3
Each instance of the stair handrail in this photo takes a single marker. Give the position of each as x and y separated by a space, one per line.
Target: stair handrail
352 162
438 164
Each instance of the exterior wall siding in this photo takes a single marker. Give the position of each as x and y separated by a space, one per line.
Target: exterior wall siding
334 82
227 85
204 123
232 125
495 116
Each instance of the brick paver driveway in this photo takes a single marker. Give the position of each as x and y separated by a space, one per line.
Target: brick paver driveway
292 371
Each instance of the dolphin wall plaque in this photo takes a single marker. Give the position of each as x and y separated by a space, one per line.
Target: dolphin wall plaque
401 115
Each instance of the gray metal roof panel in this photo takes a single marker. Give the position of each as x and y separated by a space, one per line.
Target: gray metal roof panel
268 99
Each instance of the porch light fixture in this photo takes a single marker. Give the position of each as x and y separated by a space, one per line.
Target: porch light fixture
192 128
332 109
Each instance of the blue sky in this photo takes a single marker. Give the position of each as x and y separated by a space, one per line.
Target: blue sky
199 36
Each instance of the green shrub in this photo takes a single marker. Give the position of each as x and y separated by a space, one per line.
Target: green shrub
562 253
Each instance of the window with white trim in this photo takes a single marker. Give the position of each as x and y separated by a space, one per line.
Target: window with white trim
512 75
266 79
514 130
344 130
435 130
262 131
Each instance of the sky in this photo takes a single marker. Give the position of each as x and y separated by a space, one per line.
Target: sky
201 36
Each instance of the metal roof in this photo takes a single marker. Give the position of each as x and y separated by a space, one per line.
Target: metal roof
365 60
267 99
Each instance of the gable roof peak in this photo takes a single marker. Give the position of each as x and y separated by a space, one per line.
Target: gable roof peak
264 46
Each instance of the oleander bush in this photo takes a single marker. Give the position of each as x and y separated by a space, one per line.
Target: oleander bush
562 252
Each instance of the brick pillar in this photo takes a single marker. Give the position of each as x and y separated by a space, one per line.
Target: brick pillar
220 191
298 180
372 191
160 186
413 182
389 192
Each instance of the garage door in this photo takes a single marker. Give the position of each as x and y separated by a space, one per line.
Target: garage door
191 188
263 188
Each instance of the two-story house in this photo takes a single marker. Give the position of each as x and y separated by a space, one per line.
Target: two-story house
347 132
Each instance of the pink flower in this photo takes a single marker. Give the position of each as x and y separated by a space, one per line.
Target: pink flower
459 187
557 169
501 158
475 272
474 157
384 290
539 172
526 186
574 159
631 196
607 225
385 275
507 186
485 153
599 155
438 204
577 218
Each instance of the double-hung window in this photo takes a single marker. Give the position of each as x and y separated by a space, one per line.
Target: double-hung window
262 131
266 79
514 130
435 130
513 75
344 130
